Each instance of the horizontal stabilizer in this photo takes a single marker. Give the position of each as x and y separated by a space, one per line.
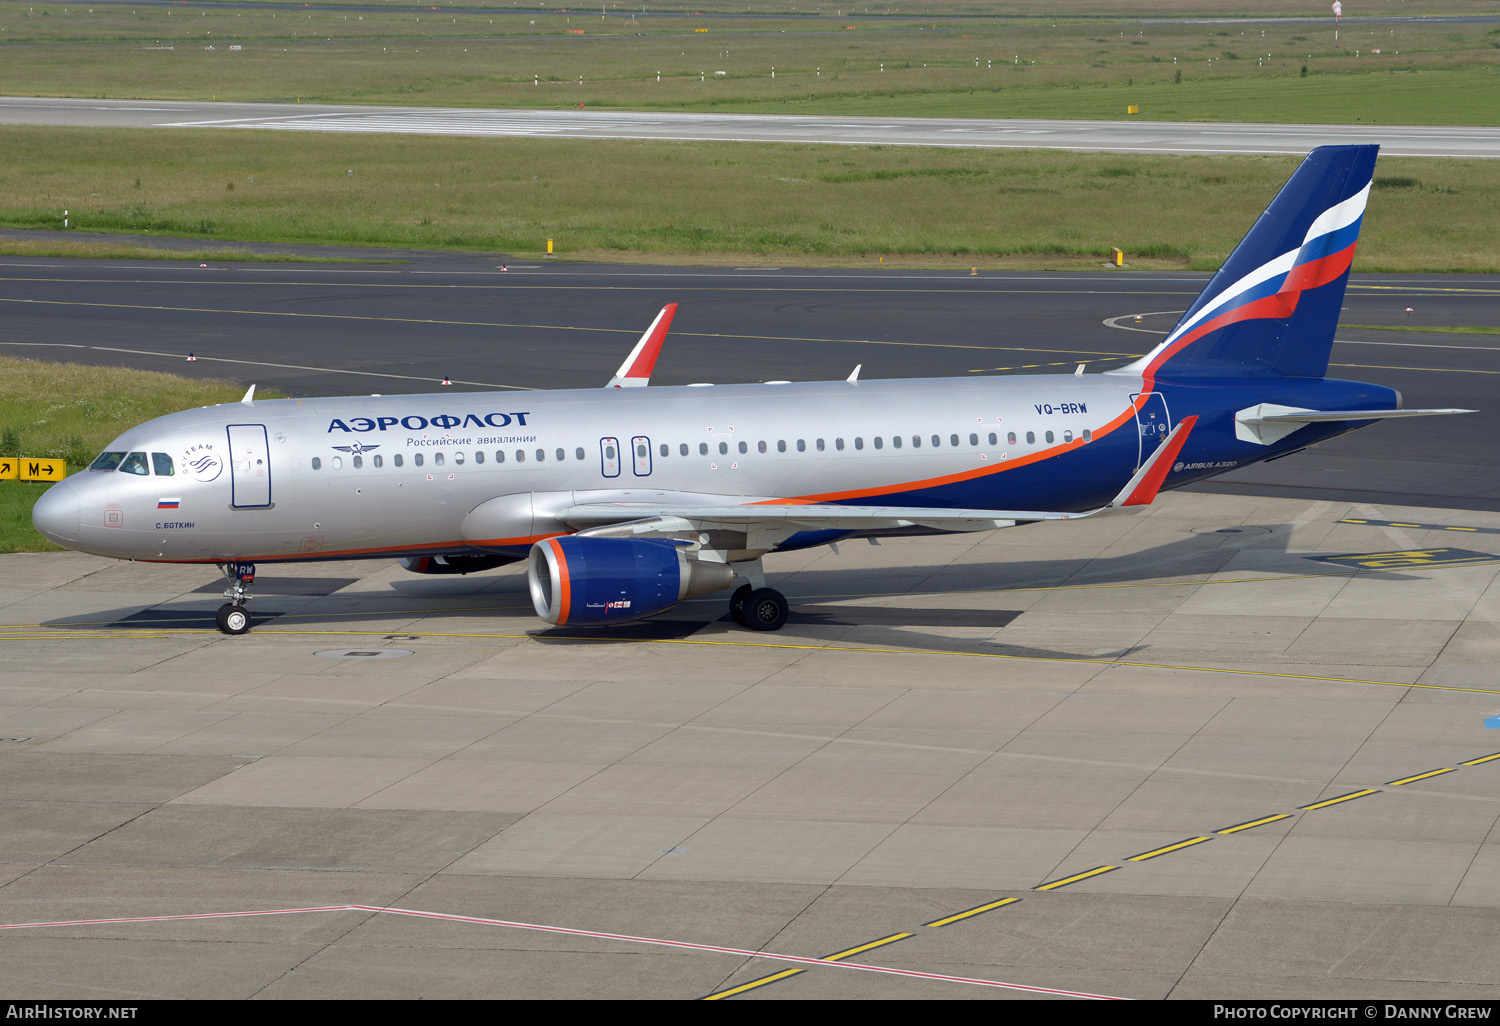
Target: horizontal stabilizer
635 372
1268 423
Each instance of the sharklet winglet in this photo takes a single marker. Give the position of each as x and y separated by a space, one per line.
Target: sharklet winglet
1141 489
635 372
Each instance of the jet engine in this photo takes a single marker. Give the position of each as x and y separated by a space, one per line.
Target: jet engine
582 581
454 564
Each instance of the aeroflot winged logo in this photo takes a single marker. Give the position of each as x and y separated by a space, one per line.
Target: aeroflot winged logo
416 422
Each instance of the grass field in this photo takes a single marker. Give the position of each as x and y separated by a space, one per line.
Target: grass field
71 411
1020 60
710 202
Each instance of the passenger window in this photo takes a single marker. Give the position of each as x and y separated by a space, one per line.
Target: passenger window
878 443
801 445
397 459
781 445
993 438
379 462
1067 436
107 461
578 453
520 455
1049 437
744 448
1031 438
609 452
135 463
162 464
562 454
838 443
760 446
682 450
541 455
317 464
1010 438
1088 436
953 440
666 450
859 443
499 456
723 448
458 459
359 462
478 458
916 441
973 439
338 462
437 459
895 441
702 448
416 460
936 441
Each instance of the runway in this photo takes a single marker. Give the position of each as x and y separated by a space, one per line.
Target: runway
1096 136
1232 748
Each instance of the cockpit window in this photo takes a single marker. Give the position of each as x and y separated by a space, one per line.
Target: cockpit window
107 461
135 463
162 464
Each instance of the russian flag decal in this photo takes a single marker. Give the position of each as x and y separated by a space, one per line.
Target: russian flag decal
167 503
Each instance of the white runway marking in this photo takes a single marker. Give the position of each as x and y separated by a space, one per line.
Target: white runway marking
596 935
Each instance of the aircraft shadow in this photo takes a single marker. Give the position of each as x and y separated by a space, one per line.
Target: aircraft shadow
835 619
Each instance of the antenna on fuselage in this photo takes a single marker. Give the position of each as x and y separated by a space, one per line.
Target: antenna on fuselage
853 377
249 397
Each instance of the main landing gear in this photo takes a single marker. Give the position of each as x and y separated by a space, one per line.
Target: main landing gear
760 609
233 617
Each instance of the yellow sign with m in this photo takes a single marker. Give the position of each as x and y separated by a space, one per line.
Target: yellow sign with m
42 470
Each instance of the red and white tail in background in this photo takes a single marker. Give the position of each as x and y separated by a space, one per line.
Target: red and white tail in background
635 372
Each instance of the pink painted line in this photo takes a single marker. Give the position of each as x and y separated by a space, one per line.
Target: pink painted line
598 935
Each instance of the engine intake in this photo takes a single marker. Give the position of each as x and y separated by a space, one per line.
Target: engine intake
582 581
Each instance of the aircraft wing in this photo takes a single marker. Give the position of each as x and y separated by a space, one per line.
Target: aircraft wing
635 372
770 523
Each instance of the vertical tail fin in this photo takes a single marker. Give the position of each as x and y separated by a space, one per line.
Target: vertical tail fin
1274 305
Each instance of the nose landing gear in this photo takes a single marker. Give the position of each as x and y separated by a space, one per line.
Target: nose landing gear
233 617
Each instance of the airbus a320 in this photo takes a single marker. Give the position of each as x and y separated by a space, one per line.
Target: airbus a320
625 500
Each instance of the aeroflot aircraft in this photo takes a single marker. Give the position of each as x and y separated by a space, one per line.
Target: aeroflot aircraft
625 500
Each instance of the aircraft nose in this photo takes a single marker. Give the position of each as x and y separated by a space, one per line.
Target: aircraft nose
55 514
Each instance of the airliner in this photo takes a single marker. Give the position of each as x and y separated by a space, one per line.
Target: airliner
627 499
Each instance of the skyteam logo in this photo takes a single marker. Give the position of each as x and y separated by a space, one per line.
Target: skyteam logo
416 422
202 463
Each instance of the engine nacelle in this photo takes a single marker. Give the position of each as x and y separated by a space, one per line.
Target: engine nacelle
584 581
458 564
